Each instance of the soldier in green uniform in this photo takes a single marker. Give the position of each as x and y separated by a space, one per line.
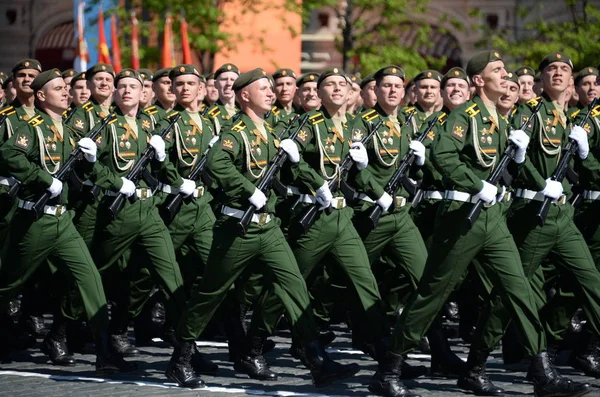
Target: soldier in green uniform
225 108
147 98
165 100
354 102
465 156
67 76
237 164
526 76
427 93
506 103
285 89
367 92
212 94
34 154
79 90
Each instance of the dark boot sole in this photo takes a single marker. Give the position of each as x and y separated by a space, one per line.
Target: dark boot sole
55 361
243 370
469 387
194 386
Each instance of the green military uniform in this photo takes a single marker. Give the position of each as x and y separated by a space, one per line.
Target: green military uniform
219 114
278 112
417 120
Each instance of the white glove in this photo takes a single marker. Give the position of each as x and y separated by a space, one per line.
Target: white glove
187 187
553 189
385 201
521 140
128 188
213 140
290 147
159 146
324 196
89 149
419 149
580 136
488 193
258 199
55 188
359 155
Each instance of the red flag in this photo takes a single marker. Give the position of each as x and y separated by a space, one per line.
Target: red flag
103 54
115 44
185 42
168 56
135 57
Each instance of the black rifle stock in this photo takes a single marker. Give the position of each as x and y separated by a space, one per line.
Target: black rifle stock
265 184
64 171
500 169
563 167
138 169
373 214
309 215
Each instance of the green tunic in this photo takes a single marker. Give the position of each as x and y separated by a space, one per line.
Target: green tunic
219 116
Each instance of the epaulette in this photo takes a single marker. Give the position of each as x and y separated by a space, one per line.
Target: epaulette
172 114
214 112
410 109
150 110
442 118
8 111
88 106
239 126
533 102
514 111
575 113
595 111
36 120
370 115
66 112
317 118
472 110
275 110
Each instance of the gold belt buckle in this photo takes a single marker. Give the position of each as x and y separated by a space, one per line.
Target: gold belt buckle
400 201
339 203
200 190
263 218
60 209
143 193
561 200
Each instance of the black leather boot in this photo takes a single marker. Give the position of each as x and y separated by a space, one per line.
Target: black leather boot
475 378
180 368
122 346
202 365
584 356
444 362
386 381
323 369
55 343
547 382
106 361
324 338
253 363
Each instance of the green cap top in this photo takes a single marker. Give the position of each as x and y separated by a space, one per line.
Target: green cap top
161 73
355 78
537 77
77 77
97 68
44 77
181 70
479 61
525 71
330 72
589 71
391 70
228 67
27 64
128 73
455 73
428 74
555 57
210 76
512 76
146 74
307 78
249 78
283 73
68 73
8 79
368 78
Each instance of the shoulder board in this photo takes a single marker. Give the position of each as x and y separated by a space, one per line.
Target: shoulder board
575 113
239 126
514 111
66 112
172 114
36 120
317 118
275 110
8 110
533 102
442 118
151 110
595 111
409 110
214 112
472 110
370 115
88 106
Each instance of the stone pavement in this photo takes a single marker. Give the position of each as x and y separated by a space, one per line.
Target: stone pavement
30 374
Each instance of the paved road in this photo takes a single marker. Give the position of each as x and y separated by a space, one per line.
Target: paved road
30 374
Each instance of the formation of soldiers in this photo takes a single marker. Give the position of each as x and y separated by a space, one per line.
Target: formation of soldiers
303 198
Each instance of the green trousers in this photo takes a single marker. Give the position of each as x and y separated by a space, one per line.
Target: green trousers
454 246
332 235
32 243
561 239
230 257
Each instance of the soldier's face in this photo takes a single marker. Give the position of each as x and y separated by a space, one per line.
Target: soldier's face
23 79
10 92
162 89
556 77
211 91
128 93
587 89
147 94
492 79
101 85
308 97
186 89
285 88
455 93
368 95
80 92
54 95
353 94
224 83
511 97
526 88
258 96
428 92
390 91
201 92
333 91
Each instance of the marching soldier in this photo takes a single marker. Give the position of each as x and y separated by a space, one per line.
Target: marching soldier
79 90
212 94
354 101
367 92
428 94
10 93
165 100
285 89
506 103
225 107
67 76
526 76
147 98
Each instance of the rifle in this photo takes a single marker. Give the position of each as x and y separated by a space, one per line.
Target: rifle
500 169
563 166
373 214
138 170
69 115
265 184
309 215
64 171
